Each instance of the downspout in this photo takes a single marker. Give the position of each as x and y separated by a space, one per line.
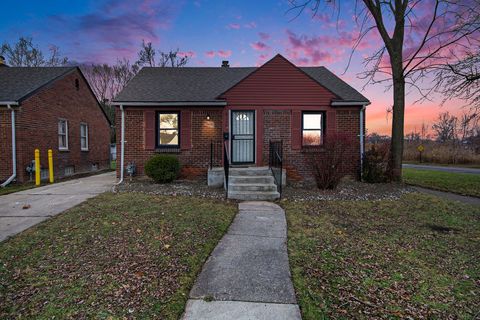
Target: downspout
362 146
14 151
122 145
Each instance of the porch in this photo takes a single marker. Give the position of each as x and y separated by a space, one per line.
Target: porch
245 182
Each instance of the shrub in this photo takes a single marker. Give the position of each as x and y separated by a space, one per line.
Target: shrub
162 168
375 163
329 160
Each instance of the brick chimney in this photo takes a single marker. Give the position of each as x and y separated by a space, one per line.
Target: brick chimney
225 64
2 62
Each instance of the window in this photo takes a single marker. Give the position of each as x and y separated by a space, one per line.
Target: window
84 136
312 128
62 134
167 133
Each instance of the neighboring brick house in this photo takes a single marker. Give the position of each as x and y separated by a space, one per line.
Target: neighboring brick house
182 110
54 108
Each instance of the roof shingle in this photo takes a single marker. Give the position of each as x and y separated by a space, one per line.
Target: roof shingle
205 84
17 83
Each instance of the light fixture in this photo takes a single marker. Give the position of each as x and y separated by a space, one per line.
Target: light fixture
208 116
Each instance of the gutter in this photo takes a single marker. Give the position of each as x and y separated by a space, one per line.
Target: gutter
173 103
14 148
350 103
362 146
122 146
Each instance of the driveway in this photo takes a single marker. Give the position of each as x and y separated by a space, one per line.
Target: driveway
441 168
47 201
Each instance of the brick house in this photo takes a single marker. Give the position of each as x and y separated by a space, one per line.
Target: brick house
52 108
183 110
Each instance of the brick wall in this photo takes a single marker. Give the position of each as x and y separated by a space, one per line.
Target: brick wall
194 160
277 126
37 127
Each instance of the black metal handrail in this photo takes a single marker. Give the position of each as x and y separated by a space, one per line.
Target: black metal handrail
215 154
275 163
226 165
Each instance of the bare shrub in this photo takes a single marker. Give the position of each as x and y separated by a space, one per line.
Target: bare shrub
329 160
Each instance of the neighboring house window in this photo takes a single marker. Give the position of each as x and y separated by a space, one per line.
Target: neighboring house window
63 134
84 136
313 128
168 132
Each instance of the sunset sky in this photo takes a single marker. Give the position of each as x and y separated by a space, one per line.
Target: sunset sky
247 33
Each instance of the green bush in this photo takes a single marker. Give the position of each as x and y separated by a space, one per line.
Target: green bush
162 168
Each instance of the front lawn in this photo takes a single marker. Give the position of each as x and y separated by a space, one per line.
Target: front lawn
128 255
462 183
417 258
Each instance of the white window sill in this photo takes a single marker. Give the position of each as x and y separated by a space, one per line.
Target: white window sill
63 149
84 149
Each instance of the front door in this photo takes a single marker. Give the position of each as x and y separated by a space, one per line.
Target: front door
243 137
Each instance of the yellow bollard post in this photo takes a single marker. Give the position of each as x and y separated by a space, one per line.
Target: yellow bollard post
37 167
50 164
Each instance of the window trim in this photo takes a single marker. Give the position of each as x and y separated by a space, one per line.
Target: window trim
86 136
66 134
322 128
157 130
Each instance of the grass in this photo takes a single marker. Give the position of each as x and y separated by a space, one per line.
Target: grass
120 256
416 257
11 188
472 166
461 183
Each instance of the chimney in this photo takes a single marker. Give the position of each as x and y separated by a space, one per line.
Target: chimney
225 64
2 62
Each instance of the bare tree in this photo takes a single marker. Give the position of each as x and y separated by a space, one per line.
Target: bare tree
461 78
24 53
434 29
424 132
107 81
446 127
147 53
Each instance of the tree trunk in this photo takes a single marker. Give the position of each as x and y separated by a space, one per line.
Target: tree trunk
396 147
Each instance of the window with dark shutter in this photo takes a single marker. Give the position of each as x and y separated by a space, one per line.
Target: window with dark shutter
168 129
313 128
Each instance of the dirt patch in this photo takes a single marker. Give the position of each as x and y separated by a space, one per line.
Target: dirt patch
349 190
196 188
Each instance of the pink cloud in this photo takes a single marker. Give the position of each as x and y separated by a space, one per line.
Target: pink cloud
210 54
190 54
224 53
259 46
219 53
262 58
235 26
250 25
264 36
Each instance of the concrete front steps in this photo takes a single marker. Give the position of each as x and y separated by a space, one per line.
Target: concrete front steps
253 183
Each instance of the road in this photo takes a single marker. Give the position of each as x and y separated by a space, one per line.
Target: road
47 201
441 168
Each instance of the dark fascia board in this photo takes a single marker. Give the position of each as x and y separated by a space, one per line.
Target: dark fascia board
171 103
282 57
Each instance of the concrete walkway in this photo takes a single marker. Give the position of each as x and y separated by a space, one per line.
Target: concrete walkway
47 201
247 276
450 196
442 168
